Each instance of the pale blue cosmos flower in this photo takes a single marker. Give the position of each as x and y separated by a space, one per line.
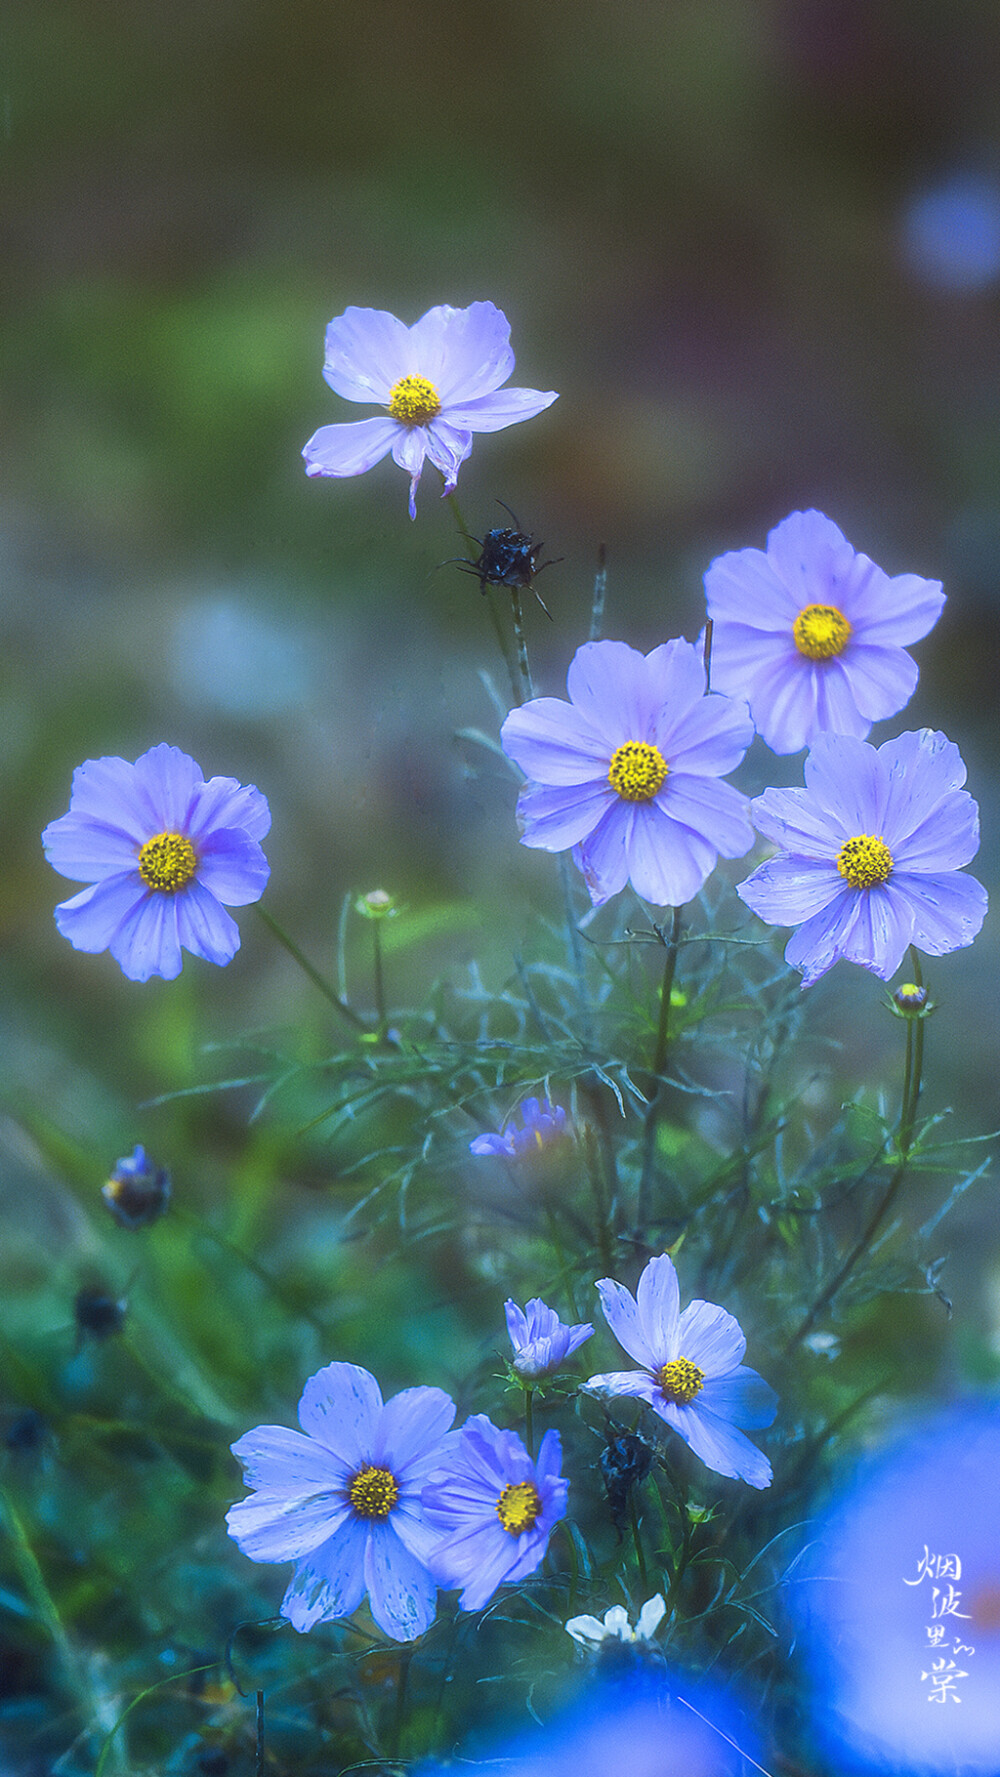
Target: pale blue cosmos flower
871 855
628 772
493 1508
897 1603
692 1372
542 1124
343 1501
438 382
165 853
813 635
541 1341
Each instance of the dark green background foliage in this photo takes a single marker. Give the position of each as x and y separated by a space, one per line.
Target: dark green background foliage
692 215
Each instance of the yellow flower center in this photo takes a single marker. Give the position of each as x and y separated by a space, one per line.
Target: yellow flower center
373 1492
518 1507
821 632
865 861
637 770
414 401
167 862
680 1380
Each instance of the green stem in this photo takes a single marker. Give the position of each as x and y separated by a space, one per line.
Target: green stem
380 1011
600 592
522 642
306 966
33 1581
655 1107
603 1232
398 1714
495 618
637 1539
529 1421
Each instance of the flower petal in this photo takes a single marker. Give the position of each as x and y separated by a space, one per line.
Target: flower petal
783 703
882 679
893 612
232 867
947 839
711 1338
275 1527
409 450
717 812
554 743
147 941
744 587
622 1313
920 768
552 819
88 851
90 919
819 941
947 909
636 1383
612 688
837 710
223 802
203 927
340 1407
465 353
742 1397
367 351
350 448
707 740
799 823
667 862
492 413
719 1445
401 1593
105 791
880 932
786 890
447 448
168 779
658 1301
279 1460
604 856
332 1582
812 557
850 781
411 1428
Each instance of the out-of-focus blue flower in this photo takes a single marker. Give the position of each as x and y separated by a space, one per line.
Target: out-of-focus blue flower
494 1509
137 1193
664 1729
165 853
343 1502
541 1341
871 856
628 772
951 233
439 382
543 1123
899 1606
813 635
692 1374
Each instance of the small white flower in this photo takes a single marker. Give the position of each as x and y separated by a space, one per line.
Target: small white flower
589 1632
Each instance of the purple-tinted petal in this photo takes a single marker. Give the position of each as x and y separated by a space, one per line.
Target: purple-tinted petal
741 654
413 1423
232 867
604 856
786 890
367 351
223 802
920 769
447 448
279 1460
332 1582
168 779
812 557
401 1594
742 1397
492 413
895 612
618 697
638 1384
554 743
836 707
783 703
203 927
147 941
340 1407
880 932
275 1527
658 1302
947 839
849 780
517 1324
622 1314
711 1338
87 851
800 825
667 862
720 1446
714 810
409 450
819 941
90 919
463 352
491 1144
707 740
552 819
351 448
947 909
105 791
744 588
676 674
882 679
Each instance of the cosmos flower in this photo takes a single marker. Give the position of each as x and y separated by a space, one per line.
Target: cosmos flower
897 1601
543 1123
541 1341
137 1192
165 853
813 635
592 1632
627 772
871 855
343 1501
438 382
691 1371
493 1508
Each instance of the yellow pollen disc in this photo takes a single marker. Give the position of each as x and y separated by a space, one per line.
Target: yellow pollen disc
821 632
637 770
167 862
518 1507
865 861
680 1380
414 401
373 1493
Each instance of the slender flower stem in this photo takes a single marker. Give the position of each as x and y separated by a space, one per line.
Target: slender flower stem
379 984
306 966
501 634
655 1106
398 1714
600 592
575 946
637 1539
603 1232
913 1063
529 1421
522 642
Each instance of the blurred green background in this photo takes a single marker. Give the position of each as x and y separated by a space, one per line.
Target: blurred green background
755 244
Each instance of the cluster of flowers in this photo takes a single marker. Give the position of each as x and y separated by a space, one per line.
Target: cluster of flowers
386 1499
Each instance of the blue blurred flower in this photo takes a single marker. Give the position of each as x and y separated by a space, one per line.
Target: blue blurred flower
493 1508
813 635
541 1341
343 1502
627 773
137 1192
899 1606
691 1372
871 855
439 382
166 853
543 1123
951 233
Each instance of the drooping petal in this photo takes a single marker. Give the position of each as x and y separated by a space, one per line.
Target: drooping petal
412 1424
720 1446
223 802
367 352
947 908
87 851
204 927
280 1460
554 743
786 890
168 780
742 1397
465 353
552 819
658 1300
350 448
401 1593
147 941
340 1407
447 448
331 1583
622 1314
711 1338
276 1527
232 867
409 450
